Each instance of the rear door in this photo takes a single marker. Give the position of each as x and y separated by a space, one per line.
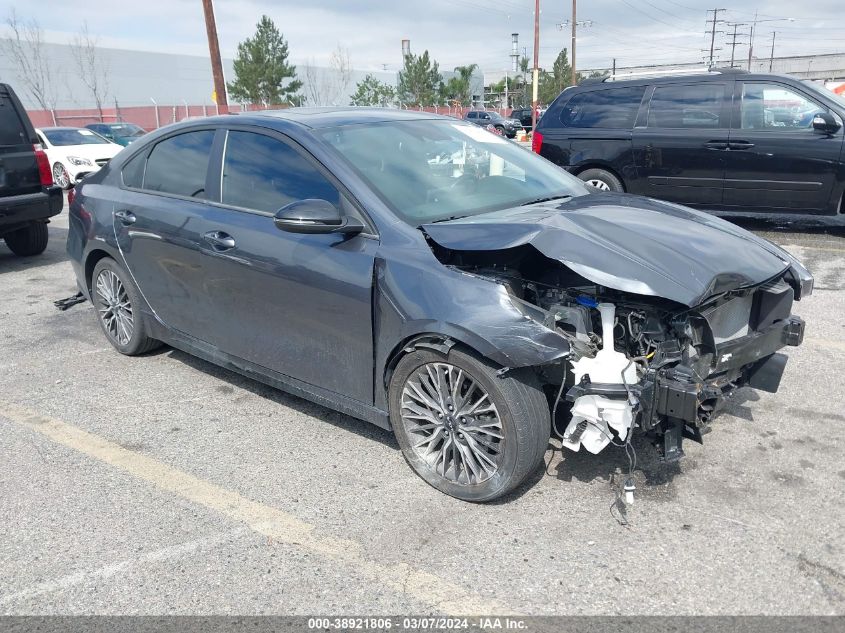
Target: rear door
593 129
777 162
680 145
18 167
158 225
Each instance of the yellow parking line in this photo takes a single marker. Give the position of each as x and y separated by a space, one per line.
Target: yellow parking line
441 595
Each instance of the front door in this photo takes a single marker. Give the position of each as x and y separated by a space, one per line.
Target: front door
776 160
298 304
680 151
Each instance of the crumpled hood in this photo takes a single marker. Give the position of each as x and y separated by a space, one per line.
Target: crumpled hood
628 243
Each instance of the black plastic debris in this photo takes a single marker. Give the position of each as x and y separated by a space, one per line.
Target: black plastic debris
64 304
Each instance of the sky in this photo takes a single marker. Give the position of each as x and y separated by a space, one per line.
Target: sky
455 32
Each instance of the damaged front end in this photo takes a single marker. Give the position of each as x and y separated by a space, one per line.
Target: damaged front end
640 361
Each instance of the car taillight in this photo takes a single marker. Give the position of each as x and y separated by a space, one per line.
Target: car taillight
44 172
71 196
536 142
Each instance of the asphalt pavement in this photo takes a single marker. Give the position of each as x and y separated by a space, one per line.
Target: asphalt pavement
165 485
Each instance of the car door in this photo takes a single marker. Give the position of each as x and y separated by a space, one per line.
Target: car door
777 161
157 222
297 304
680 147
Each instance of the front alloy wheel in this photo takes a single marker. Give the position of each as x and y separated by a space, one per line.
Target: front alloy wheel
454 424
462 427
60 176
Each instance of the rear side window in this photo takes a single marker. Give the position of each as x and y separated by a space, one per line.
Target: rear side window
133 171
686 106
265 174
178 164
12 131
611 108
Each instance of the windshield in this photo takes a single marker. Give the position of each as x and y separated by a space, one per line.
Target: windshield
73 136
126 129
826 92
428 171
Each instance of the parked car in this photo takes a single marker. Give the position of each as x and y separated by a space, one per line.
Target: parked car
75 152
28 198
523 115
120 133
725 141
432 278
508 127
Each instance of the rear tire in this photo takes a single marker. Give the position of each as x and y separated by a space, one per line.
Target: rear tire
492 438
28 241
602 180
118 306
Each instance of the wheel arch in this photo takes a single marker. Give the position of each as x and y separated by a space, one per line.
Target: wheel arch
599 165
91 261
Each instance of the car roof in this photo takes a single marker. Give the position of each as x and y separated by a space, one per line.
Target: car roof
715 75
316 118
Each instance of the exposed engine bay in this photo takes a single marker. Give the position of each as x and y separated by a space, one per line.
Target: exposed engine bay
640 362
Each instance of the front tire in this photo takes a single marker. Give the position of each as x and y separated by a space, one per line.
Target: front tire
602 180
118 307
466 431
61 176
28 241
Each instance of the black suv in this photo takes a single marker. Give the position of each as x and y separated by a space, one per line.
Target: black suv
523 115
727 141
27 194
508 127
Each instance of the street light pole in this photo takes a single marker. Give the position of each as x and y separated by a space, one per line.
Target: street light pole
536 73
214 52
772 56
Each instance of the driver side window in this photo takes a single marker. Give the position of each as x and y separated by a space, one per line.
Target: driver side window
178 165
776 108
265 174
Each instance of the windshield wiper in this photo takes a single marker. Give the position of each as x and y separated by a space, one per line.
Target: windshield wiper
546 199
451 217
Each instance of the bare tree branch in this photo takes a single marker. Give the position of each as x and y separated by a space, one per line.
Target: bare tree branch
25 47
92 69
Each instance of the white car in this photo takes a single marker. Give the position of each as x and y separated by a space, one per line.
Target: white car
75 152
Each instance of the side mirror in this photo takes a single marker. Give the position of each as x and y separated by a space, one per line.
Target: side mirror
825 122
315 216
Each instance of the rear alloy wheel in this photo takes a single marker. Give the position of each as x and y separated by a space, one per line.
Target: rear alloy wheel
601 179
117 304
464 430
60 176
28 241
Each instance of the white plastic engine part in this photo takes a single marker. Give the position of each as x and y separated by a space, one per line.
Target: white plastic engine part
593 417
608 365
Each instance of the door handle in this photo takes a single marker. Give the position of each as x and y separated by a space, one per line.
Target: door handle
126 217
721 145
219 240
740 145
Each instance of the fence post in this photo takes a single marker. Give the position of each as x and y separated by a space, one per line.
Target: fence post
53 114
155 104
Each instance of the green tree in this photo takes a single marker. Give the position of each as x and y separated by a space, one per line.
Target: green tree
420 82
459 88
262 69
552 83
372 92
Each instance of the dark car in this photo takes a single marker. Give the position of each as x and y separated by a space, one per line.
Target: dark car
508 127
120 133
428 276
523 115
723 141
28 198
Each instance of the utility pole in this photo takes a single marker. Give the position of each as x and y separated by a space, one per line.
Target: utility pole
614 67
536 73
214 52
751 41
574 25
772 56
715 21
734 41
